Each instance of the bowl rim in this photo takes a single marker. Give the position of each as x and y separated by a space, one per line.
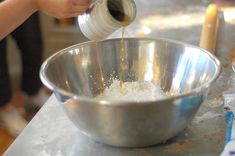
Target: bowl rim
197 90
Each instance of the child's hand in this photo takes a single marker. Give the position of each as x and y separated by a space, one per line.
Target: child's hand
62 8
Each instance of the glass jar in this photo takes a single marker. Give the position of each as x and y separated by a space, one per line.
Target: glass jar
106 16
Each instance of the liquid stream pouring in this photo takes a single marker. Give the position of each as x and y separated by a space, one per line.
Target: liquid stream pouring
103 18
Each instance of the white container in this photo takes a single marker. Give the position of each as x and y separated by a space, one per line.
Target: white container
106 16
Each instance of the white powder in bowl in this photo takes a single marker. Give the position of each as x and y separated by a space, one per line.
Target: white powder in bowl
132 91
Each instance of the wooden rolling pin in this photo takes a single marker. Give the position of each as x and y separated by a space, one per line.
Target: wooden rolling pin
210 29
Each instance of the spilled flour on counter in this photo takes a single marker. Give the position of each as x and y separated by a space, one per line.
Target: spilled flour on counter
132 91
205 116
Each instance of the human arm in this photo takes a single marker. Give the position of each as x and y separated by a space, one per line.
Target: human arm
15 12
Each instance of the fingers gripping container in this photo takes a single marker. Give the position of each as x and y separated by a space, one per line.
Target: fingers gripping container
106 16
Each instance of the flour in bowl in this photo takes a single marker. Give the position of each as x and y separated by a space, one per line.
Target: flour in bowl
132 91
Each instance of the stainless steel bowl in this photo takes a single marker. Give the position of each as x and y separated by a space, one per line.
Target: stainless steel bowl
79 73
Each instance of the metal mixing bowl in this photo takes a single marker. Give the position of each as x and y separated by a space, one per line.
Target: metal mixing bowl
79 73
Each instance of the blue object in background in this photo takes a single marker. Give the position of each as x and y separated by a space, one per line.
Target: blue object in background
229 120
